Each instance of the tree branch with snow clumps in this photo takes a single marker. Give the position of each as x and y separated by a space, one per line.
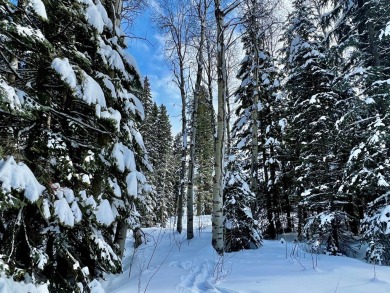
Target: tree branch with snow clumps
19 177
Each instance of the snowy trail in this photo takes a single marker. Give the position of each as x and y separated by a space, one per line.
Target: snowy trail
169 263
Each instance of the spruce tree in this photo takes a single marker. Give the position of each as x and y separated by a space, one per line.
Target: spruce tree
367 170
78 97
257 131
204 154
241 230
162 168
312 132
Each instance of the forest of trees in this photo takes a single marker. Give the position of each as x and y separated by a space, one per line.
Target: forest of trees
284 129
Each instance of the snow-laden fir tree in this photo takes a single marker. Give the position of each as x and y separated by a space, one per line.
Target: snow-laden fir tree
368 172
147 101
162 168
74 100
256 128
204 150
312 133
156 131
242 231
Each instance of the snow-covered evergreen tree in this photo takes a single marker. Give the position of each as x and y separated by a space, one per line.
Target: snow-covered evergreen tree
74 98
162 168
256 128
204 150
242 231
156 131
368 172
312 131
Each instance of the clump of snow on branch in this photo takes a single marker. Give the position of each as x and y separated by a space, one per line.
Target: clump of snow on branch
103 13
27 31
107 252
108 84
104 213
65 70
64 213
124 157
111 114
384 217
132 184
66 208
112 58
132 103
90 91
10 95
386 31
19 177
115 187
38 7
93 15
129 59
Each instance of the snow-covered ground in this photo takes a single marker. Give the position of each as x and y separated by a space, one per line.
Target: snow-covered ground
170 263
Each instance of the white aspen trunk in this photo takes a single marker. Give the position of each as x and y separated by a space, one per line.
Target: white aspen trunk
190 188
114 9
217 216
179 227
118 6
201 9
255 143
177 29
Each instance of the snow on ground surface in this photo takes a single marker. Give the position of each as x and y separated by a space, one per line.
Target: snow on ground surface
170 263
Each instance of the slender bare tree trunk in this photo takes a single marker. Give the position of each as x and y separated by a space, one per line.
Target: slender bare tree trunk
172 19
209 67
201 11
255 142
118 6
228 130
217 216
191 163
184 146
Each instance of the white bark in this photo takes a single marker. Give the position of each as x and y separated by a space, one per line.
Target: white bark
118 5
217 217
255 143
201 7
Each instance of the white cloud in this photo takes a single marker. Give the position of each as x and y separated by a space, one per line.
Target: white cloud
159 47
140 45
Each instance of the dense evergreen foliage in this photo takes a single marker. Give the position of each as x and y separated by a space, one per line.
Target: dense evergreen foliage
69 112
204 149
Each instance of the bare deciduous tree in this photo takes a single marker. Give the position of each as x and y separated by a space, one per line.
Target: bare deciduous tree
218 184
172 18
200 9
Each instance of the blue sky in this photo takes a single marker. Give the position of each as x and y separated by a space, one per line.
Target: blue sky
149 56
